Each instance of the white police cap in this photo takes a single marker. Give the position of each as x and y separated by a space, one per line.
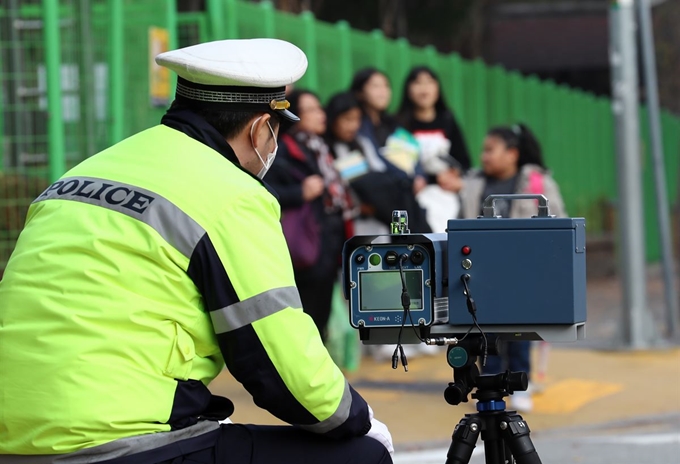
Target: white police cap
236 75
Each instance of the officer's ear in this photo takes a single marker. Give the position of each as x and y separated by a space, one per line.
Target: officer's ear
261 133
275 122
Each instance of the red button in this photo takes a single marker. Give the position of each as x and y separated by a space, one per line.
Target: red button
466 250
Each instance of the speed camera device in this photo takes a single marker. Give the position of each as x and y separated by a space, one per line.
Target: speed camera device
513 278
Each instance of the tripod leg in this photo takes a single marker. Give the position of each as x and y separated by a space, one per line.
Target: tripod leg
463 440
516 434
492 436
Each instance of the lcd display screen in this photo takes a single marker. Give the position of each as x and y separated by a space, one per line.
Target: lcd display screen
381 291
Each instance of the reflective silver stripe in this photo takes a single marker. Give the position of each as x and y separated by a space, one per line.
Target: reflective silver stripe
255 308
173 224
337 418
117 448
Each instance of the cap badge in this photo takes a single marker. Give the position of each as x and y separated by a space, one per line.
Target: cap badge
279 105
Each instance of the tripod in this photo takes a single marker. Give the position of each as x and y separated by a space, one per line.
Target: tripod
505 433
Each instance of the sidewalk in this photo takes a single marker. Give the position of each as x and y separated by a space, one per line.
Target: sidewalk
585 384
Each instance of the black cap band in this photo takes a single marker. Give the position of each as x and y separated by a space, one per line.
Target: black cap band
233 98
228 93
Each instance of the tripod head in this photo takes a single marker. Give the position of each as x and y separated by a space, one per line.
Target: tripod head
505 433
491 389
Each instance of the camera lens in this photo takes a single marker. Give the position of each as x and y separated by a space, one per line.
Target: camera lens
417 257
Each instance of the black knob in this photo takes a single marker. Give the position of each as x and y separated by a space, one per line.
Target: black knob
454 394
417 257
359 259
517 381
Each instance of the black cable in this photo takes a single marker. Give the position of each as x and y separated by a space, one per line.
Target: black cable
406 304
472 309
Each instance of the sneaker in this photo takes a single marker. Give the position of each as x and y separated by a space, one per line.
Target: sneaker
535 388
521 401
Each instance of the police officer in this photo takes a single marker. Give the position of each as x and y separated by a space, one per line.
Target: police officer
150 265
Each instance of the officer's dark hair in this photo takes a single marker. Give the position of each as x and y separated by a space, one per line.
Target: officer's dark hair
519 136
228 123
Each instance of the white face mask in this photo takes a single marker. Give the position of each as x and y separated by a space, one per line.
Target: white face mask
270 157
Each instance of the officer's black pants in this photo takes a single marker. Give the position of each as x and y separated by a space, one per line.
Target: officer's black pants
257 444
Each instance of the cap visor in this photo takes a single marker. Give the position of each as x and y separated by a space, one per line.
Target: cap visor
287 115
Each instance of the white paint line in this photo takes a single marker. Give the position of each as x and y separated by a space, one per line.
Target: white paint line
652 439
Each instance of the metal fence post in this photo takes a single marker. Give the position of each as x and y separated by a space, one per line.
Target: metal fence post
312 74
55 121
215 11
171 18
116 72
638 332
499 91
2 119
268 19
518 98
379 47
480 93
404 67
345 53
431 54
232 18
533 90
404 58
457 95
662 208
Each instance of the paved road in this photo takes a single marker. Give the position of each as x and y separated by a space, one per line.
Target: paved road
650 440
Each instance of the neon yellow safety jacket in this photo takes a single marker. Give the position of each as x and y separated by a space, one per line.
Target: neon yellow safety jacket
138 274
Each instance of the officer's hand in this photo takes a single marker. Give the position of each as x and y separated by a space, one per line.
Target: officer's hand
379 432
312 187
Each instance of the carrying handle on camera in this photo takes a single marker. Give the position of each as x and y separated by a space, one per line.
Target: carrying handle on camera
490 203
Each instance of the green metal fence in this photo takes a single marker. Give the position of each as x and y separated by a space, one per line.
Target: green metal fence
77 75
74 78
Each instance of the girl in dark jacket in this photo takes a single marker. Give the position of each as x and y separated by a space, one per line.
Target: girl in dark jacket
443 153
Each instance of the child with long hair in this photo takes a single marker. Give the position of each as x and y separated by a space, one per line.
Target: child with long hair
443 153
512 162
424 112
373 91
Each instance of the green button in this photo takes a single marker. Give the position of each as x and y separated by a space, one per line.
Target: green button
457 357
374 260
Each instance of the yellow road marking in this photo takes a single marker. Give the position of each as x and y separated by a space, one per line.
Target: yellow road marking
570 395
